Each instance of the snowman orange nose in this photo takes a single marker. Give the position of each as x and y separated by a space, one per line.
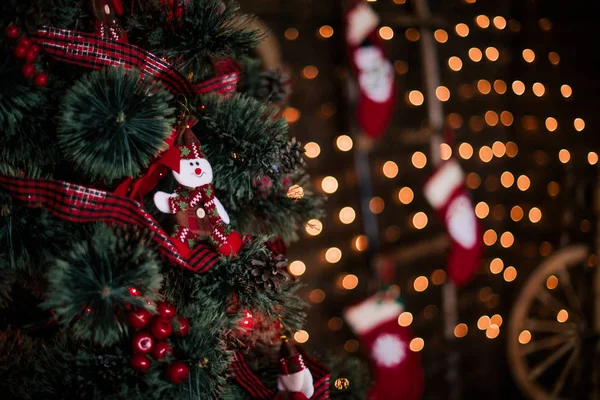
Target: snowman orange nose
197 171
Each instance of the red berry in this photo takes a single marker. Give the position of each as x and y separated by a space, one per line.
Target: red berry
184 326
166 310
140 362
31 55
139 318
41 80
20 51
177 372
12 31
28 71
161 350
142 343
24 42
161 328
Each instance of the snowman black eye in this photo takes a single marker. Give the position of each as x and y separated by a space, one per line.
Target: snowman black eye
192 164
197 163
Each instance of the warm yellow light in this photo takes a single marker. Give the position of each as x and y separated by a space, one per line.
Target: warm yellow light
512 149
310 72
516 213
507 239
484 86
445 151
401 67
491 118
499 149
351 345
312 149
499 22
492 332
579 124
510 274
518 87
441 36
500 86
486 154
538 89
438 277
506 118
455 120
562 316
421 283
455 63
405 319
473 180
530 123
528 55
350 282
507 179
376 205
462 30
386 32
329 184
314 227
476 123
399 1
415 98
492 53
482 210
291 114
360 243
554 58
442 93
564 156
301 336
483 322
523 183
553 189
406 195
482 21
417 344
420 220
327 109
490 237
347 215
419 160
475 54
344 143
535 215
412 35
470 1
551 124
390 169
465 150
496 266
545 24
566 91
291 34
297 268
326 31
295 192
333 255
524 337
316 296
335 323
461 330
552 282
592 158
496 319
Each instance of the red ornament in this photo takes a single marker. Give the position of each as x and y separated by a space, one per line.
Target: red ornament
184 326
166 310
24 42
28 71
142 343
134 292
161 350
20 51
12 31
161 328
140 362
41 80
31 56
177 372
139 318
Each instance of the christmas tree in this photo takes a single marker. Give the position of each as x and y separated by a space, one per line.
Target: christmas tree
148 191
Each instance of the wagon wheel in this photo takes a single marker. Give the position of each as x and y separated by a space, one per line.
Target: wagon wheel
553 337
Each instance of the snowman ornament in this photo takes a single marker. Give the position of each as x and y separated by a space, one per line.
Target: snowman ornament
198 213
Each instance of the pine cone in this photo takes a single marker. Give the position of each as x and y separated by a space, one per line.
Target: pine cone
273 86
269 273
291 156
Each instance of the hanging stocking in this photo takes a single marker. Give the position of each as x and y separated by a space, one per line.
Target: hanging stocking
373 70
397 369
446 193
294 377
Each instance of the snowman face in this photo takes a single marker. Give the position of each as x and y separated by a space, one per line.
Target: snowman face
461 222
194 173
375 73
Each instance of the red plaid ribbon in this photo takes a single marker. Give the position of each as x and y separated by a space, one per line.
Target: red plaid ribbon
82 204
251 383
227 77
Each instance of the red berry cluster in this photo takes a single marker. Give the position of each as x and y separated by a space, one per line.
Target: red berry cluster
153 340
29 52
